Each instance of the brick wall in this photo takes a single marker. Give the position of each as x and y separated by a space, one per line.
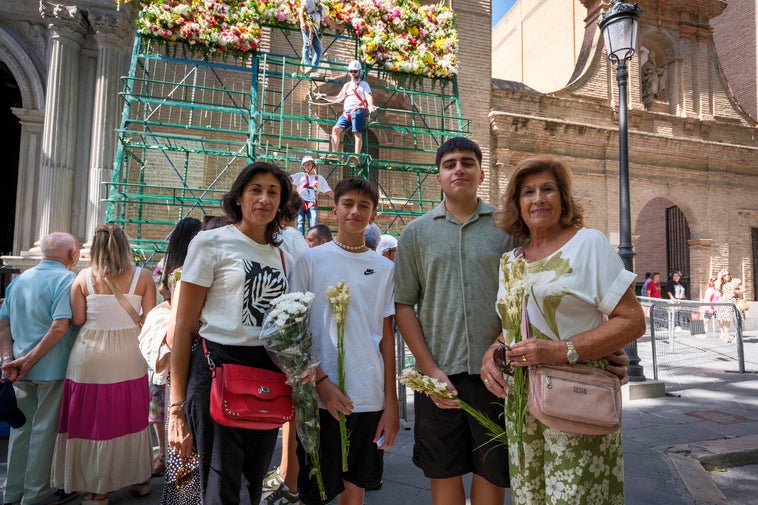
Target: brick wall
473 22
736 38
523 43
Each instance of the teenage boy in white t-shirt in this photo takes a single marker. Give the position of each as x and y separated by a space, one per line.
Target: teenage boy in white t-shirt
370 399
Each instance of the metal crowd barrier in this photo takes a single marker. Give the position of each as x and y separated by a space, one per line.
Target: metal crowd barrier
687 333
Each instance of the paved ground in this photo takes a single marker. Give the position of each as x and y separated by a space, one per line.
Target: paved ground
709 417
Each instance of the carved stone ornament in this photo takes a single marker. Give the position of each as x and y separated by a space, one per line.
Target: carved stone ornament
64 20
112 28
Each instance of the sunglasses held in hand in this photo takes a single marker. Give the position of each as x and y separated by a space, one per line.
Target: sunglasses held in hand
501 362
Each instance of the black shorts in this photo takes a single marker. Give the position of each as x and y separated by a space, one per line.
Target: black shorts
364 461
450 443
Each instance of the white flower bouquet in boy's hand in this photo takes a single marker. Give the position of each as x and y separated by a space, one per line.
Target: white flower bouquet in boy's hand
287 340
431 386
339 298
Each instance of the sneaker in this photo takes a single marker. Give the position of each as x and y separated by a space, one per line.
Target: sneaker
60 496
273 481
282 496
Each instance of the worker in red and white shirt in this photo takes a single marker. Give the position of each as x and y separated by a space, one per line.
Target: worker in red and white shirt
357 103
308 184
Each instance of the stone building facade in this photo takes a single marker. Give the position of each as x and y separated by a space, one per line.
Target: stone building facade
61 67
735 32
692 147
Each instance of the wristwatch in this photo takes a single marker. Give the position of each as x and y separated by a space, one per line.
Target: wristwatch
571 355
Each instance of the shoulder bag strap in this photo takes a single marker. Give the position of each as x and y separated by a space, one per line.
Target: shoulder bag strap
284 265
124 302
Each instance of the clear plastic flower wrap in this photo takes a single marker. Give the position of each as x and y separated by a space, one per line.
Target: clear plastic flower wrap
287 340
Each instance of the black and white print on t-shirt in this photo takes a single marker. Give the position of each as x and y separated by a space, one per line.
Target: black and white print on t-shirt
262 285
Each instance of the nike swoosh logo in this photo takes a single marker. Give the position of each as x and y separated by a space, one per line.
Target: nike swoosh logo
368 271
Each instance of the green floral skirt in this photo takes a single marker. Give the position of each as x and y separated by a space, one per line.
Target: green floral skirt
566 468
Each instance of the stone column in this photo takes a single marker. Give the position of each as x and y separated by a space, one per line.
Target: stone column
701 265
29 152
113 33
67 29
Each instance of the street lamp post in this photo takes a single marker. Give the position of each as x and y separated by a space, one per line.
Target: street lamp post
619 27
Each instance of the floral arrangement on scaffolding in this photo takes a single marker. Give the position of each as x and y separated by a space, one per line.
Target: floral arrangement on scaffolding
393 35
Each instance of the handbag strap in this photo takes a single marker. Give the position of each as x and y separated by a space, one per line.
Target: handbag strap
284 265
124 302
207 354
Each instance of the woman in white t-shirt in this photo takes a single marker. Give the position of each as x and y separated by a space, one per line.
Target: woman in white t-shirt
229 278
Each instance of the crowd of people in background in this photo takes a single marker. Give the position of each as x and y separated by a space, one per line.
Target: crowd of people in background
719 289
90 398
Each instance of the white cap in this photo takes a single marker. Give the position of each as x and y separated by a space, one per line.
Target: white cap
354 65
386 243
306 159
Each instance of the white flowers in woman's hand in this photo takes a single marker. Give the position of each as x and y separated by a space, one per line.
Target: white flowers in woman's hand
514 287
289 308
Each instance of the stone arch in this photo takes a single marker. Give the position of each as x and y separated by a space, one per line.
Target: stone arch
652 241
31 87
21 65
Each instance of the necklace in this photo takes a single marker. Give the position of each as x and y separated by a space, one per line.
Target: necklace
349 247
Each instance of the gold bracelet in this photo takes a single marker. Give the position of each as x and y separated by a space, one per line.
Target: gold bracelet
178 404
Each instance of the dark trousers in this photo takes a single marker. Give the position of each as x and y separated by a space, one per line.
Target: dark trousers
230 457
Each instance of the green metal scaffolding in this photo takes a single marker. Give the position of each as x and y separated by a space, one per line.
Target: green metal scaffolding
191 122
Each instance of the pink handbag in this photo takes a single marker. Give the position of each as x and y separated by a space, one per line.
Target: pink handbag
575 398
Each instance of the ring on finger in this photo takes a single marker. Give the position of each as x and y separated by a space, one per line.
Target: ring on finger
523 357
486 381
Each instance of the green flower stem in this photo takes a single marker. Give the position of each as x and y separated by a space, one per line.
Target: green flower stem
495 431
516 411
308 425
344 442
316 472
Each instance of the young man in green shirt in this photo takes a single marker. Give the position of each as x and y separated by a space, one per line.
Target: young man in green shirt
447 264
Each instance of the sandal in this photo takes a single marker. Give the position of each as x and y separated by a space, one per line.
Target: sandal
141 489
159 465
89 499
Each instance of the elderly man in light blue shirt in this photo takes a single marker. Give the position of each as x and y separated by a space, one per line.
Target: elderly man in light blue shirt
35 341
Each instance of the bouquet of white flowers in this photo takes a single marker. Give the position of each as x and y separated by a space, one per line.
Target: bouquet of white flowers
287 340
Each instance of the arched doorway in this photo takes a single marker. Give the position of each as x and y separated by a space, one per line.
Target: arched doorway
662 241
10 139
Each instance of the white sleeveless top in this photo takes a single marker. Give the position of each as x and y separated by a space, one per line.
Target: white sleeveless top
105 313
